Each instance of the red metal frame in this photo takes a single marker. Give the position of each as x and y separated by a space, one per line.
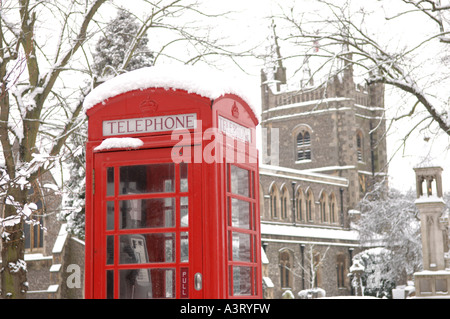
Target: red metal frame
209 253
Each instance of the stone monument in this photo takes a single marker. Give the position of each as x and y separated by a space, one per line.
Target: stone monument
434 280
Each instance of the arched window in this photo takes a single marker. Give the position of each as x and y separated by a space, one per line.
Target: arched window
333 209
340 269
303 146
274 211
310 205
324 208
34 232
359 146
285 268
300 209
284 202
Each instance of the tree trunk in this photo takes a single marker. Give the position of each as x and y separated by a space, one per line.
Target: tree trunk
14 270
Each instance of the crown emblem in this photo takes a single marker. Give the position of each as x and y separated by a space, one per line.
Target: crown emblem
235 110
148 106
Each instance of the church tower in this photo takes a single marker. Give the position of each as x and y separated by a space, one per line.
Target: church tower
330 147
336 128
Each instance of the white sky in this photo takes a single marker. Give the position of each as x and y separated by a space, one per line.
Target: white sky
251 24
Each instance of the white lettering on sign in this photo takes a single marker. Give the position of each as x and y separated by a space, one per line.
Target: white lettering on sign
235 130
150 124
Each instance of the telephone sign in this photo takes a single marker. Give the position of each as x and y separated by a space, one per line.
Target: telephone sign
149 124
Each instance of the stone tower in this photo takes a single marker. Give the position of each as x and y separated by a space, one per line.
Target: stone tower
344 123
329 138
434 280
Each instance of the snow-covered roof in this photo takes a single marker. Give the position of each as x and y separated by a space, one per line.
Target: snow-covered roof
311 232
203 81
302 175
119 142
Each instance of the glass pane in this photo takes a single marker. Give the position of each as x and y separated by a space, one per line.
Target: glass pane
109 250
147 248
425 285
227 177
242 280
240 213
253 185
109 215
241 247
239 181
147 283
110 284
184 247
441 285
147 213
110 181
27 235
183 177
184 212
255 282
154 178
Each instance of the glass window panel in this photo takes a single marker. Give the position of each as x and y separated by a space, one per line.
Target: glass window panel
147 213
35 236
109 215
254 216
147 283
109 250
425 285
253 185
183 177
184 212
255 282
27 232
239 181
147 248
184 247
240 245
441 285
242 280
110 181
142 179
110 284
240 213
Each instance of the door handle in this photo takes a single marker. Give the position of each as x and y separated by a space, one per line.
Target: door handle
198 285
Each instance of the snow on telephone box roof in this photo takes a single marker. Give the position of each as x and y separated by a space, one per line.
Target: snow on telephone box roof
203 81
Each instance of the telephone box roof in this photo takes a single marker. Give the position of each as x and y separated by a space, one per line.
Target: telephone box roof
203 81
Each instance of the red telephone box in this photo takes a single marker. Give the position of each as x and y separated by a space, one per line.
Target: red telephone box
172 192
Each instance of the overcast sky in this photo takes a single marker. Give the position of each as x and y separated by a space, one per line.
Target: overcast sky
250 24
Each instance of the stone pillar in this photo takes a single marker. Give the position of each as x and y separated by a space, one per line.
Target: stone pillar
434 280
431 206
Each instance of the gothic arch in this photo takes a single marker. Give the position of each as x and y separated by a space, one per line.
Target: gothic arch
300 208
310 205
323 207
285 205
333 209
360 145
274 204
302 140
286 263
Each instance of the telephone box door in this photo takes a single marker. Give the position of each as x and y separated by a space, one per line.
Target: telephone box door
147 226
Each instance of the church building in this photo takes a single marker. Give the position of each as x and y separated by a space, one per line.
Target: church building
323 147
